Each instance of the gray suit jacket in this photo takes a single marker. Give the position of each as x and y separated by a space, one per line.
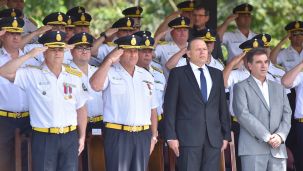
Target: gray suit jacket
258 121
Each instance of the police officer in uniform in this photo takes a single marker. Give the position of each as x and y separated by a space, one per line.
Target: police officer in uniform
294 79
56 22
293 55
130 104
145 61
57 98
135 14
30 24
232 40
69 28
122 27
13 102
81 56
164 52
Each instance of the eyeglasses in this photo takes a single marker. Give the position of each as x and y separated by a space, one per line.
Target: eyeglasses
82 49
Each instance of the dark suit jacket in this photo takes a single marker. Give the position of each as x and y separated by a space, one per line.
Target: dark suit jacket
187 117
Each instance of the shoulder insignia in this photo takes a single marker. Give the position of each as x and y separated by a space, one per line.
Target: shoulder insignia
162 43
280 67
157 69
33 21
111 44
34 66
72 71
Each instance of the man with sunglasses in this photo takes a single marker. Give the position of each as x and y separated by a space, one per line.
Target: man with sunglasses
81 55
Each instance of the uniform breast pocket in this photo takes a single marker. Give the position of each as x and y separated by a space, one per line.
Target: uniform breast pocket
147 88
117 87
159 86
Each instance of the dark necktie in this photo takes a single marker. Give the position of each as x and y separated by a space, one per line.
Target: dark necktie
203 86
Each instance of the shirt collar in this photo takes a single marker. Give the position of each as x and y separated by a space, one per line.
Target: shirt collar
195 67
259 82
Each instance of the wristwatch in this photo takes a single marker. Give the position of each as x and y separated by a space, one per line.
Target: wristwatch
103 34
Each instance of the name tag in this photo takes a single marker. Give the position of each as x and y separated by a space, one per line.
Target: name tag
96 132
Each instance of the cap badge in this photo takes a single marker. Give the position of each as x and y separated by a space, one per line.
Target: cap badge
133 41
60 18
58 37
147 42
84 38
255 44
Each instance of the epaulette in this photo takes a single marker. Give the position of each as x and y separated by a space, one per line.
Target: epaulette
221 62
34 66
111 44
280 67
33 21
162 42
157 69
72 71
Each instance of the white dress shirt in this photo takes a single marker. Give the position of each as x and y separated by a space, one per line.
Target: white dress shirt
207 76
264 89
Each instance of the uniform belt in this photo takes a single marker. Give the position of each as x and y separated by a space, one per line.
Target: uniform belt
300 120
54 130
95 119
234 119
126 127
13 114
160 117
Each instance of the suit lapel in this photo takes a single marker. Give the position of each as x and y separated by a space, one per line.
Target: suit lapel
271 93
257 90
192 79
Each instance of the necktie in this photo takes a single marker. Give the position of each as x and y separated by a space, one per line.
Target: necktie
203 88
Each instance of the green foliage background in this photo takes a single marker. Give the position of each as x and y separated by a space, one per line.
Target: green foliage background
270 16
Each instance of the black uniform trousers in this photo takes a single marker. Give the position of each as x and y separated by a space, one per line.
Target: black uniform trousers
55 152
126 151
7 141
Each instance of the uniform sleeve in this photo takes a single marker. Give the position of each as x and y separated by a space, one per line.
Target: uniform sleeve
102 52
155 102
225 38
21 78
231 79
280 57
298 80
158 52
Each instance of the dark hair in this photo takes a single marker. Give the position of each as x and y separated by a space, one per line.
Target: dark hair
199 7
255 51
191 40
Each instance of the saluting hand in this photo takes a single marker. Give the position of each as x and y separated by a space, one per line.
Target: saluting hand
232 17
174 145
44 29
69 47
111 31
115 55
36 51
